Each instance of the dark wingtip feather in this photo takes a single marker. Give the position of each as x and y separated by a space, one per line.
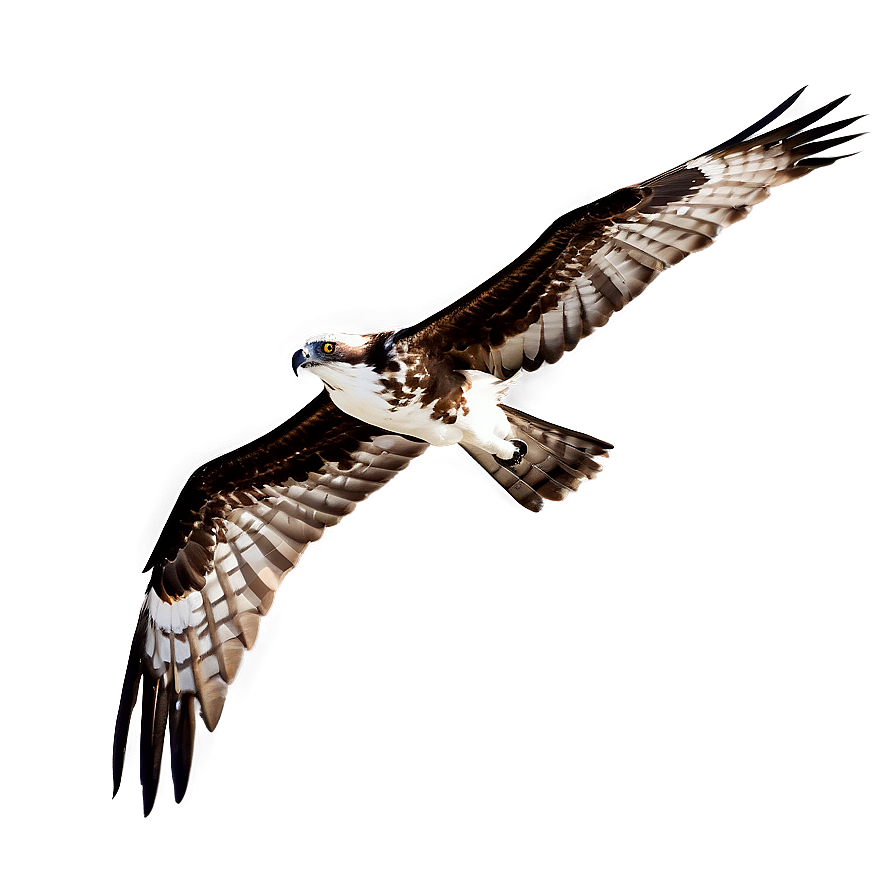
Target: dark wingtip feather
758 125
800 139
129 691
147 715
793 128
182 729
808 149
823 161
824 129
161 705
152 737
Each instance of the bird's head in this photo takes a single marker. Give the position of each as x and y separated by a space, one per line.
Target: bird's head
337 357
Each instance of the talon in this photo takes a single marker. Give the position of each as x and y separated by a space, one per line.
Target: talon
518 455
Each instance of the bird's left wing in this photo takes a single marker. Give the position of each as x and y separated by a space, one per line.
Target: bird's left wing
240 524
596 259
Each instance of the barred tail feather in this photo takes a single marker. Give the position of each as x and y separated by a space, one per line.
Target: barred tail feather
556 460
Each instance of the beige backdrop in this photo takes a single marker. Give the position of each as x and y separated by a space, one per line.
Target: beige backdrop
679 681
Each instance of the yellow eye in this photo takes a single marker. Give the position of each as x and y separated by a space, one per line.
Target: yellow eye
328 348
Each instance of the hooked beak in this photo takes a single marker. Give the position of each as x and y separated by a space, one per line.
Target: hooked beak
298 359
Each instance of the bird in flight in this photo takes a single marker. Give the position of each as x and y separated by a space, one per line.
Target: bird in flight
243 520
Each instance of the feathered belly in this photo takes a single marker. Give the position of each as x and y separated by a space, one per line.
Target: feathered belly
473 417
410 418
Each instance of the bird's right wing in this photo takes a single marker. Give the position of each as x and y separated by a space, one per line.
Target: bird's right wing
240 524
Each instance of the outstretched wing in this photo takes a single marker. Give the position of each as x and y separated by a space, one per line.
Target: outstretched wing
240 524
595 260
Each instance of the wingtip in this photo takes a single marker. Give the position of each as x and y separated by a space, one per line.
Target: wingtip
152 737
823 110
129 692
149 800
117 771
757 126
797 128
182 728
786 104
823 161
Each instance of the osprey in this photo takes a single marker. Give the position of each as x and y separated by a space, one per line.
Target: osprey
243 520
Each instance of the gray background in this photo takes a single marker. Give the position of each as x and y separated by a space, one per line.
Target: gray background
679 681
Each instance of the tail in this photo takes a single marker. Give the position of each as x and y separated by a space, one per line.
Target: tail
555 462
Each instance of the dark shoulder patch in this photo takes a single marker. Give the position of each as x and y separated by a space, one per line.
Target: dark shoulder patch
380 353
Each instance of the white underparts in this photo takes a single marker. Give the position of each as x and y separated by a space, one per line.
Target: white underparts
486 426
357 389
